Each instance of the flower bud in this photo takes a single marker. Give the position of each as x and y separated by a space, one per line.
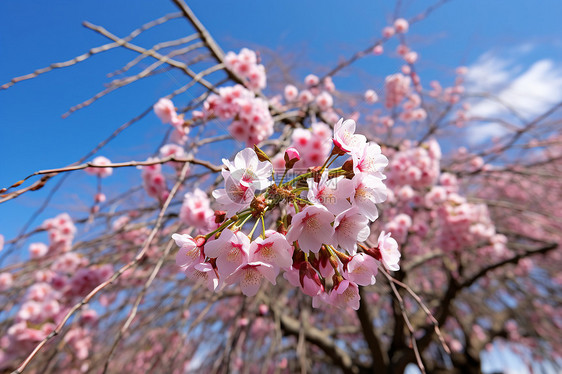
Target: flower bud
291 157
220 216
99 198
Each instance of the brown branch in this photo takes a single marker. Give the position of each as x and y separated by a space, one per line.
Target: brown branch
90 53
426 311
368 51
52 172
380 361
414 345
156 47
512 260
156 55
322 340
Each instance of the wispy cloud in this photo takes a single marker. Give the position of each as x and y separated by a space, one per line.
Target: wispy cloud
529 89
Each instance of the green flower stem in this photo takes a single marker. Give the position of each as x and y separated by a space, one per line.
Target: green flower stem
309 174
253 229
262 226
241 215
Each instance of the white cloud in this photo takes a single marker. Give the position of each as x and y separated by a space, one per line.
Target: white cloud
530 90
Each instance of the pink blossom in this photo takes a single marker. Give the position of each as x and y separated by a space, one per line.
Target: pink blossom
370 160
196 209
324 101
345 137
89 317
29 311
99 197
389 251
371 97
37 250
189 253
309 282
362 269
329 84
203 272
248 170
234 197
436 195
378 50
6 281
402 49
291 92
68 263
244 176
230 250
397 86
312 228
100 172
346 293
305 97
175 151
369 191
311 80
387 121
154 181
166 111
350 227
246 65
314 145
253 122
388 32
411 57
401 25
249 275
331 193
274 250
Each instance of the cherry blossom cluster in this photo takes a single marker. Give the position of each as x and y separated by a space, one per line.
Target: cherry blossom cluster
61 231
463 224
166 112
58 284
154 181
175 151
397 88
451 94
245 64
196 210
415 166
316 93
426 202
157 347
313 144
251 120
318 244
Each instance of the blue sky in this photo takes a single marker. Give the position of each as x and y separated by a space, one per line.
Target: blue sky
504 39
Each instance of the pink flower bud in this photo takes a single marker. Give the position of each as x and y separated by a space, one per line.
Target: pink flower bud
371 97
291 157
401 25
311 80
387 32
